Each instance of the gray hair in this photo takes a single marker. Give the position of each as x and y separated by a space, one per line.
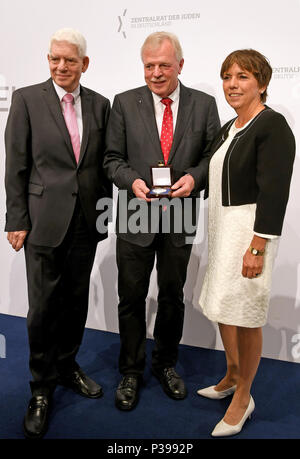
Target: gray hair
71 36
157 38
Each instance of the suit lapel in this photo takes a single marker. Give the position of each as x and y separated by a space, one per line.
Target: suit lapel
86 108
53 103
145 103
146 109
183 115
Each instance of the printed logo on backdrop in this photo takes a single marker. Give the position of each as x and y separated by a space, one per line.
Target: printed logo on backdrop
286 72
289 73
5 97
127 22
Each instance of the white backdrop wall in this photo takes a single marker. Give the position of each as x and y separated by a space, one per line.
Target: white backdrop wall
208 31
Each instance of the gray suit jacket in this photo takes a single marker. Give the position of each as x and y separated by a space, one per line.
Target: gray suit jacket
133 145
42 177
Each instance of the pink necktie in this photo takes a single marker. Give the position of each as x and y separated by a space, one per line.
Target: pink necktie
166 137
71 122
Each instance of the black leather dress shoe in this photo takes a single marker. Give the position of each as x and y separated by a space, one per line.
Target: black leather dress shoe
127 393
171 383
80 383
36 418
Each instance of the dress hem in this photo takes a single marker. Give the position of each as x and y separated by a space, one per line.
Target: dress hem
236 324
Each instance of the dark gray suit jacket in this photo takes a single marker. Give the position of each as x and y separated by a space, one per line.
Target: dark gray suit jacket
42 177
133 145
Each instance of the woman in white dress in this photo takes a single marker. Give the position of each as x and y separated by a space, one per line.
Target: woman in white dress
249 180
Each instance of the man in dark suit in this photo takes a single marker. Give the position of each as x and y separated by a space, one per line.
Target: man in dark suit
142 132
55 139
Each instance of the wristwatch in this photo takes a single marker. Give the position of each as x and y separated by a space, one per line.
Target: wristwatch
255 251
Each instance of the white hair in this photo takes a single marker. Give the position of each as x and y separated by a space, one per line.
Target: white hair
155 39
71 36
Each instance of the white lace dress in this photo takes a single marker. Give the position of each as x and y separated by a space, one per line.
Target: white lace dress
226 296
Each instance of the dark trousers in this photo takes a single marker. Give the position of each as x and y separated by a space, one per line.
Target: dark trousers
135 264
58 290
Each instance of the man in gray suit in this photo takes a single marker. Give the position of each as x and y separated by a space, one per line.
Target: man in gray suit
55 138
162 121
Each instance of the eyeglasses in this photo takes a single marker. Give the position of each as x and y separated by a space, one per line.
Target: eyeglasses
67 61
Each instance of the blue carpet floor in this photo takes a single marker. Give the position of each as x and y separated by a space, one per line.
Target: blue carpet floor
276 392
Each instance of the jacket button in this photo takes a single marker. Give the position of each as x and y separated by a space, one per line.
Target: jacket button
74 193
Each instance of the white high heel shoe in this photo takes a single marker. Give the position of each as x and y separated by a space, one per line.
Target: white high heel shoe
210 392
223 429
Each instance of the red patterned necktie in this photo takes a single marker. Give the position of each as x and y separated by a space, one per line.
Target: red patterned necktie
166 137
71 122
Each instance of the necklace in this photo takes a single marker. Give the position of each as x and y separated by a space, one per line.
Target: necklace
239 124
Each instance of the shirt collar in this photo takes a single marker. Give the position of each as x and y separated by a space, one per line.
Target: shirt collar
61 92
174 96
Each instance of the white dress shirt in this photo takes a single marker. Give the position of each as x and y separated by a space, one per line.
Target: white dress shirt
77 104
159 108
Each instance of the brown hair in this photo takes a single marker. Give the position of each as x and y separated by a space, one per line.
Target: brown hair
252 61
